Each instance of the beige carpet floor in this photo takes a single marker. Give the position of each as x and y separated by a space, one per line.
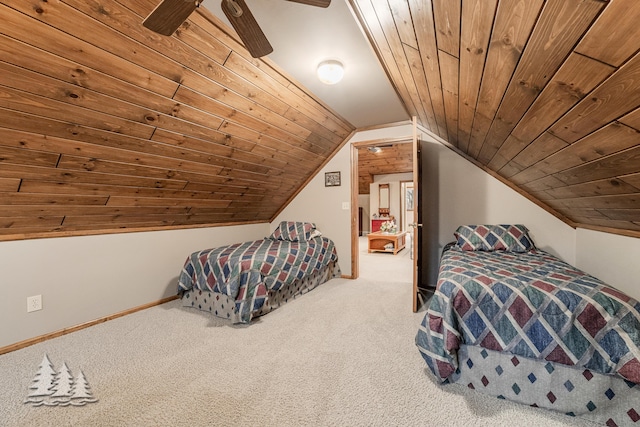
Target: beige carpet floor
341 355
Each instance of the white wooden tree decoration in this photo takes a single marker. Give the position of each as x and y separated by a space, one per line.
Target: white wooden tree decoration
53 388
63 387
42 384
82 392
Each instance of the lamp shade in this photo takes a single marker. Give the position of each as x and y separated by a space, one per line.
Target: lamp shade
330 72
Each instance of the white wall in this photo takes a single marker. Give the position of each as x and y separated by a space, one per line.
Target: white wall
395 194
456 192
87 278
90 277
324 207
611 258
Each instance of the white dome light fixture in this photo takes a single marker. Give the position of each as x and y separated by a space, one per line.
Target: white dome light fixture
330 72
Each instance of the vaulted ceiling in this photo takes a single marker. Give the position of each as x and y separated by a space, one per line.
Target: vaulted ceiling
106 125
544 94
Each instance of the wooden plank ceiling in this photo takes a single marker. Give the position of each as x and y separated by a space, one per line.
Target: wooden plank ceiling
396 157
107 125
545 94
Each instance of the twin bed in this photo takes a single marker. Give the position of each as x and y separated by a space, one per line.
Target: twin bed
245 280
517 323
506 318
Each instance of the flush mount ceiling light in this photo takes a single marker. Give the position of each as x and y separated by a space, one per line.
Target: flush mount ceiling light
330 72
375 149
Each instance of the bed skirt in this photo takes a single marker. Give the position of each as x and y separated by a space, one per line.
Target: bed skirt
223 306
605 399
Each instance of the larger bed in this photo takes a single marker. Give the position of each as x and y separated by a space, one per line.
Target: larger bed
517 323
245 280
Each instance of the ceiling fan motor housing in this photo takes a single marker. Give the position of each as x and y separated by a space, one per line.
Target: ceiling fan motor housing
234 8
170 14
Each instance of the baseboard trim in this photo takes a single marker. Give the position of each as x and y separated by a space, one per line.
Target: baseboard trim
65 331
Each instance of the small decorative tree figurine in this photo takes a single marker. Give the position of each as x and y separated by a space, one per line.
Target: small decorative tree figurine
63 386
82 392
43 383
53 388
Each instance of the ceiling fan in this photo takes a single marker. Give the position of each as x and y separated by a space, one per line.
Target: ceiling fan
170 14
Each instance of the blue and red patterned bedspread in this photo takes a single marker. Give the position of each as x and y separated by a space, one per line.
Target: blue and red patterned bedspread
247 271
530 304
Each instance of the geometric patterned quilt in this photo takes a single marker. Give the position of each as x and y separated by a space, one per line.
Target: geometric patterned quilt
247 271
530 304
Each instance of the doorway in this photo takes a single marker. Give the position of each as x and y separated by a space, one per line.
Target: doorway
374 164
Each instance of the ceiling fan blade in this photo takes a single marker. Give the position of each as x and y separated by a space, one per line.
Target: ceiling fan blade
169 15
319 3
247 27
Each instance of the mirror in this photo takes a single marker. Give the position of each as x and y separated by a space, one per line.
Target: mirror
383 206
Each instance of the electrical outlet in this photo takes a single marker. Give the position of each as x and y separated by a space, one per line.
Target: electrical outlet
34 303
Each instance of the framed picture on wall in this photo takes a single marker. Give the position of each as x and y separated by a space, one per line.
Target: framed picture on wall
332 179
409 200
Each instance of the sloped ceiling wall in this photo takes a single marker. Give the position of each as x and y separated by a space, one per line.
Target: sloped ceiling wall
396 157
544 94
107 125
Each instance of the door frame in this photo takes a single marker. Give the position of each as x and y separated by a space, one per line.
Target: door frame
417 216
410 139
